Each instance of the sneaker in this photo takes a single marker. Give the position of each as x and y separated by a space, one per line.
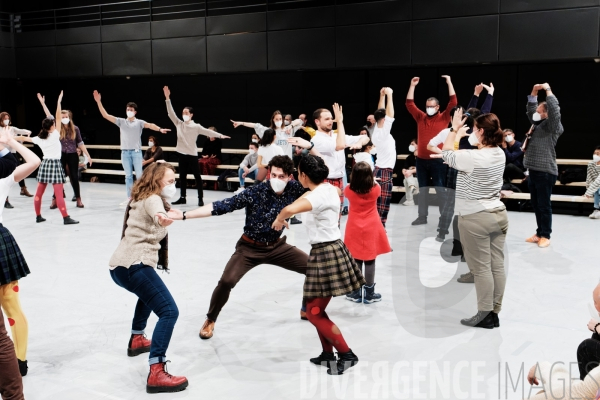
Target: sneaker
466 278
325 359
355 296
345 211
345 361
544 242
69 221
295 221
180 201
408 203
483 319
7 204
440 237
370 295
39 219
595 214
200 202
240 190
23 367
420 221
534 239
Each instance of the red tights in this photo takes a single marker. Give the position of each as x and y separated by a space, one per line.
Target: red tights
58 193
329 333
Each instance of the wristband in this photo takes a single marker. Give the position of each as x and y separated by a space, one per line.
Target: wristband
456 144
184 217
596 327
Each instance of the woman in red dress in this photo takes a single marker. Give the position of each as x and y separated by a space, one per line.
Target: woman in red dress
365 235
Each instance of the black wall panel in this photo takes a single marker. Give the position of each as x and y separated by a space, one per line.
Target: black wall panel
34 39
373 12
36 62
79 60
549 35
453 8
127 58
7 66
246 52
315 17
511 6
178 28
219 25
6 39
452 40
122 32
288 49
363 46
87 34
179 55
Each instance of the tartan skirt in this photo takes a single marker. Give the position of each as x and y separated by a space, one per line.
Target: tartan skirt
331 271
12 262
51 171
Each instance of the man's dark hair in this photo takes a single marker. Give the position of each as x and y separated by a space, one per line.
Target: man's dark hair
318 112
283 162
190 109
132 105
597 147
543 103
254 144
379 114
437 102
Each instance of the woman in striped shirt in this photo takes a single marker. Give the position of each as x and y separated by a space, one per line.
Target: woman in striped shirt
483 221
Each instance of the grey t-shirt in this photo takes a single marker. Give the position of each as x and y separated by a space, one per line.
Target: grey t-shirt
131 133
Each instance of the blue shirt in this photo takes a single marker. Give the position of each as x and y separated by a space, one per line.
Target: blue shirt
262 207
514 154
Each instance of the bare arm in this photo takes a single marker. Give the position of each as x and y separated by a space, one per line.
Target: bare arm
85 151
381 103
106 115
299 206
42 100
451 91
201 212
246 124
31 160
411 90
155 127
57 118
340 143
23 139
389 108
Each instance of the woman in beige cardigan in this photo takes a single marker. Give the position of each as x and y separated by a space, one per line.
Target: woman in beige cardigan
556 382
143 248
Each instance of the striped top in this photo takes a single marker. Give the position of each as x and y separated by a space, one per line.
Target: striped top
593 178
479 179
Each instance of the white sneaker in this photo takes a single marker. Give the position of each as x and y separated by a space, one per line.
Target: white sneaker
595 214
408 203
125 202
240 190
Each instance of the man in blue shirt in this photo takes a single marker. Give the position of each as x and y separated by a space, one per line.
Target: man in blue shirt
260 244
514 157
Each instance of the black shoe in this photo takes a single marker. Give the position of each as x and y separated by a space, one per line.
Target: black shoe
370 295
420 221
200 202
345 361
69 221
74 198
7 204
496 320
345 211
355 296
440 237
295 221
23 367
325 359
39 219
180 201
456 248
483 319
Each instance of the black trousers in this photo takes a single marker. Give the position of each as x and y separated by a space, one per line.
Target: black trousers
588 356
189 164
511 171
72 160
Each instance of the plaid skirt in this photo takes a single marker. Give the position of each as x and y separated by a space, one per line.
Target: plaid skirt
331 271
51 171
12 262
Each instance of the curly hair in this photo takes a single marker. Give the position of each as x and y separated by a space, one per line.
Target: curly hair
314 167
283 162
149 183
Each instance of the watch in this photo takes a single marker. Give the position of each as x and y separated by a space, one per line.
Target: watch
451 129
312 145
184 217
548 88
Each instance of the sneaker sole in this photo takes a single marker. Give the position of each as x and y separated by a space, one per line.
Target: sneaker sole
371 301
166 389
354 300
137 352
337 372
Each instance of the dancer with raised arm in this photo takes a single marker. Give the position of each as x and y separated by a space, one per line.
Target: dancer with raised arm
14 131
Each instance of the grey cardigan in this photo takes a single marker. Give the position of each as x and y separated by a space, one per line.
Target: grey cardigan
540 154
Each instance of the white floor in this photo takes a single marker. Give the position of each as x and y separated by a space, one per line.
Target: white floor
411 345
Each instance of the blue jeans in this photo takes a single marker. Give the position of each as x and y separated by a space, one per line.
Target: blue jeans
132 160
346 202
251 175
143 281
430 173
597 199
540 187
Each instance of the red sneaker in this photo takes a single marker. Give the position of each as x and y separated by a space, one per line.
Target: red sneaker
160 381
138 344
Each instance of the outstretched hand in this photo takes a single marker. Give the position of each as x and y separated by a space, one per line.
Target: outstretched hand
6 135
97 96
490 88
164 221
164 130
60 96
235 123
299 142
225 137
279 224
175 215
167 92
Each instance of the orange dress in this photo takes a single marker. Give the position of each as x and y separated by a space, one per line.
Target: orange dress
365 235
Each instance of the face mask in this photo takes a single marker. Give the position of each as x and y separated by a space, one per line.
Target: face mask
287 123
596 158
130 114
65 121
151 144
278 185
536 116
251 151
509 139
412 148
373 151
473 141
278 124
431 111
6 122
254 140
186 118
368 124
168 191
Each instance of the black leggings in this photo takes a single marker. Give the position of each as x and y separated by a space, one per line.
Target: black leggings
369 270
588 356
187 164
72 160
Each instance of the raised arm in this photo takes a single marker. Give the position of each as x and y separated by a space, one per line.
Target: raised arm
170 110
410 101
486 107
105 115
154 127
389 107
451 91
552 107
381 102
340 143
411 90
246 124
42 100
58 117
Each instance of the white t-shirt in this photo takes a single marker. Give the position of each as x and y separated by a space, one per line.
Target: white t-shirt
268 152
366 157
440 138
282 134
385 143
322 221
335 159
5 185
51 146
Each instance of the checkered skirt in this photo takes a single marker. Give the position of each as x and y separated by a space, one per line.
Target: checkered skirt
331 271
12 263
51 171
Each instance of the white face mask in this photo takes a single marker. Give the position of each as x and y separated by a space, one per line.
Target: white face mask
254 140
596 158
431 111
536 116
278 185
412 148
373 151
168 191
130 114
6 122
278 124
286 122
509 138
151 144
251 151
186 118
65 121
473 141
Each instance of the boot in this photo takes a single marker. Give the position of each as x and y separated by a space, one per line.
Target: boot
69 221
200 202
160 381
79 203
25 192
53 204
74 198
39 219
370 295
138 344
483 319
23 367
206 332
456 248
355 296
7 204
325 359
345 361
495 319
180 201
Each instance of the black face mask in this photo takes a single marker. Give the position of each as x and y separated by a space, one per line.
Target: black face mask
368 124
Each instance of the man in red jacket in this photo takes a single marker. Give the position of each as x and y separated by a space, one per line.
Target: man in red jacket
429 124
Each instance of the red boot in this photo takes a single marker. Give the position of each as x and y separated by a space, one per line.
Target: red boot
159 380
138 344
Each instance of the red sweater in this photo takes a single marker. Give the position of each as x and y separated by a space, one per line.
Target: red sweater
428 127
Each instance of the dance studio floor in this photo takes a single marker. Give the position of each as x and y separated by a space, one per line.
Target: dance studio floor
410 345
